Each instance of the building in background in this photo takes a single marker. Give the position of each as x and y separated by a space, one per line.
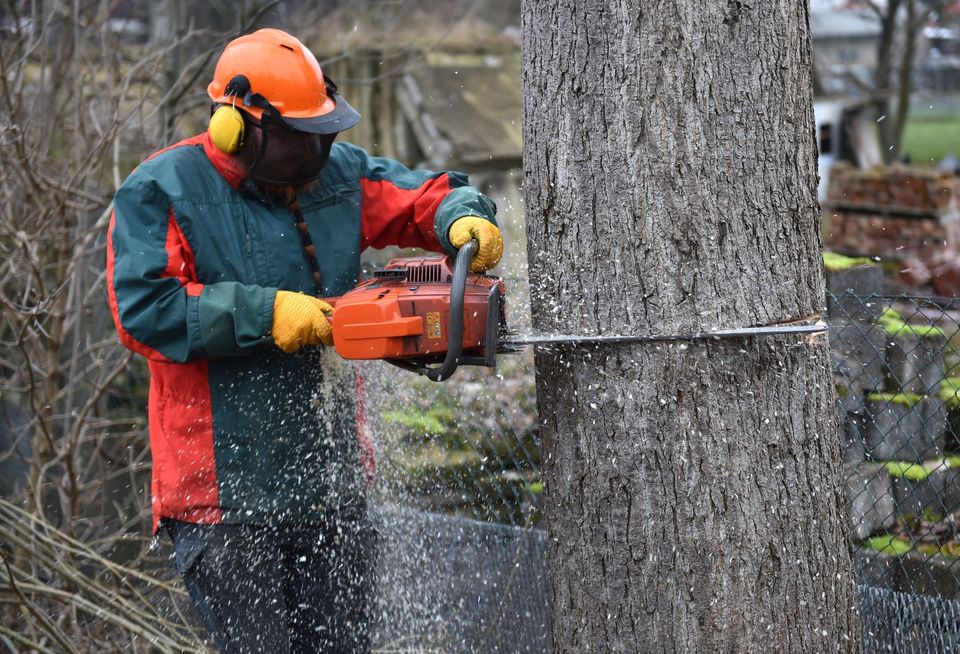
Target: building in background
844 50
940 65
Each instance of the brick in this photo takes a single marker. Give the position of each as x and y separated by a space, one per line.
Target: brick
904 187
867 233
946 278
914 272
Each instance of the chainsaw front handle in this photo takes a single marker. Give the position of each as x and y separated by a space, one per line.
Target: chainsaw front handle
458 289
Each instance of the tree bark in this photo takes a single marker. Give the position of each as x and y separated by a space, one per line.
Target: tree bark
693 490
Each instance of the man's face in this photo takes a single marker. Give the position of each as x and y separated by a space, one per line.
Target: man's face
291 158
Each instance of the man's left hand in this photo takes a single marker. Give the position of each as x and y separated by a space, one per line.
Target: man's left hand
466 228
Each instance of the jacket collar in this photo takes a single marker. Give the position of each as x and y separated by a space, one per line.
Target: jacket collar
227 165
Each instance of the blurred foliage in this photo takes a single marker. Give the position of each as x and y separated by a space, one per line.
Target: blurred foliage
468 446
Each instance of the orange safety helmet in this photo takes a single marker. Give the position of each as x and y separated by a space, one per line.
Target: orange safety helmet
270 71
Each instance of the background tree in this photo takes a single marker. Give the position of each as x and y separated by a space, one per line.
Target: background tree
693 489
900 24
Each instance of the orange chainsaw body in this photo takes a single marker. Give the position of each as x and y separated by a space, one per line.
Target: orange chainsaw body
403 312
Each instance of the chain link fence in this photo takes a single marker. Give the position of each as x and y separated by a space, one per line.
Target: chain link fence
469 448
897 373
458 504
896 363
470 452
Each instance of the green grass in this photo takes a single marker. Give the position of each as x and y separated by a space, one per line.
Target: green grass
906 399
891 321
928 140
950 393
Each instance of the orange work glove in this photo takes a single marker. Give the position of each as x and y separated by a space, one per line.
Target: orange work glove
488 236
300 320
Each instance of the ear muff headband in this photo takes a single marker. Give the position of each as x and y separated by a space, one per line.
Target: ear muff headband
227 127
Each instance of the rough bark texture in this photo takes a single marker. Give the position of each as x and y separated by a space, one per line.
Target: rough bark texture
693 489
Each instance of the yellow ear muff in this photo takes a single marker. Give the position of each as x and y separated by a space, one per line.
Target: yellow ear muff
226 128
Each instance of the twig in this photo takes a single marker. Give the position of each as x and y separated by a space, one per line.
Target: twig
48 626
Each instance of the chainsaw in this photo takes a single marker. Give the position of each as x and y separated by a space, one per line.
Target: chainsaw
420 311
430 315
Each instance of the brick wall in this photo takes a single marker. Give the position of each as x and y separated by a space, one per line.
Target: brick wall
894 188
864 233
900 214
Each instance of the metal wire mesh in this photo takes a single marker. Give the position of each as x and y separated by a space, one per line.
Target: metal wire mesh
908 623
897 372
451 584
462 569
469 449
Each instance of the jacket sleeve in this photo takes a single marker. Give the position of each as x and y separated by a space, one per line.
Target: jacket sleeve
413 208
159 307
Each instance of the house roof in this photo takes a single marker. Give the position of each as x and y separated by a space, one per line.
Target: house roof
836 24
474 104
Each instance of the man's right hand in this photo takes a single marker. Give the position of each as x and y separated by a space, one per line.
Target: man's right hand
300 320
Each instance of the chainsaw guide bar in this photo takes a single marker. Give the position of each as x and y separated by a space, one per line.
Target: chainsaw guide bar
510 341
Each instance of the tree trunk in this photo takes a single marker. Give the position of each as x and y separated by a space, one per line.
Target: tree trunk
905 80
917 18
693 490
883 76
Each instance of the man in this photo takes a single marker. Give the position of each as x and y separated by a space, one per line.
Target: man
218 249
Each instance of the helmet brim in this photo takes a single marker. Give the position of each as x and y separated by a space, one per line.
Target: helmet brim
343 117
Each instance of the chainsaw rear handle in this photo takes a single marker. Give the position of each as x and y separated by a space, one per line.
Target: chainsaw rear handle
458 289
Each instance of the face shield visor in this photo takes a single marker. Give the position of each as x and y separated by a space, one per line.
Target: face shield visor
287 157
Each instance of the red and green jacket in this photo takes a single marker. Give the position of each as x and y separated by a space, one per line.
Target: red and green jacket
239 430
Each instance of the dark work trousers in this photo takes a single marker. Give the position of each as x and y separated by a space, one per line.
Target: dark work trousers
279 589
